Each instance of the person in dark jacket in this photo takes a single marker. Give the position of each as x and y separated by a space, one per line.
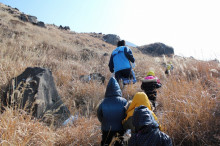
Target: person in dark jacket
120 62
147 131
111 112
149 84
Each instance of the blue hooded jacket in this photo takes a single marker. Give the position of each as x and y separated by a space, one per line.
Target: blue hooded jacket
120 59
111 111
147 130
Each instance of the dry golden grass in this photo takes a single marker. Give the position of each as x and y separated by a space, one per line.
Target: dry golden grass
85 132
188 100
188 108
18 128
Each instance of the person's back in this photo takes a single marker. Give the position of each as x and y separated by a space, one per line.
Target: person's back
119 59
147 130
111 112
169 68
149 85
140 98
119 62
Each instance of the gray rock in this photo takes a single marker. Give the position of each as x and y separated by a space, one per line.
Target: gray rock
41 24
64 27
214 73
24 17
111 38
157 49
32 19
92 77
35 92
105 54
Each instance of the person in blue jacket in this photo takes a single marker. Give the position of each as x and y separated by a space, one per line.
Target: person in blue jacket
111 112
120 62
147 130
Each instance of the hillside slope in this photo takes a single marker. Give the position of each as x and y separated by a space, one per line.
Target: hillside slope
190 96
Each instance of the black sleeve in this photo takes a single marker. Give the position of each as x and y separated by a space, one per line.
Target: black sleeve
99 113
129 55
158 85
166 140
142 86
111 64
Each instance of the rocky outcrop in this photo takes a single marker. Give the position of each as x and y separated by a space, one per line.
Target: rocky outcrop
35 92
64 27
26 18
156 49
31 19
111 38
9 9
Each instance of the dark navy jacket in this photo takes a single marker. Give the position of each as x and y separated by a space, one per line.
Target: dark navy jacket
150 87
111 111
147 131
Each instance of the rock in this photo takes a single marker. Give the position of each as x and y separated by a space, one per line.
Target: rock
16 9
85 78
105 54
214 73
111 38
92 77
41 24
157 49
32 19
24 17
35 92
64 28
98 77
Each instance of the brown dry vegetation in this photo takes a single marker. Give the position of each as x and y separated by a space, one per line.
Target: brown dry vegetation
188 100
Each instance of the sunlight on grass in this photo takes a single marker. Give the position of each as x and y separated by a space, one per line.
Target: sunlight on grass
188 100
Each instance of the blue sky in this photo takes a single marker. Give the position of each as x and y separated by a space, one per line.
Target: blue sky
191 27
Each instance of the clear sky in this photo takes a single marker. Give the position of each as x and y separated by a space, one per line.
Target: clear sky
191 27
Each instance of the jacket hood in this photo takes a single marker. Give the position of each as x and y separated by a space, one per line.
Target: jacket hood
140 98
143 117
151 73
113 88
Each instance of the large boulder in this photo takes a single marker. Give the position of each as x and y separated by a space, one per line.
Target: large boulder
111 38
31 19
156 49
35 92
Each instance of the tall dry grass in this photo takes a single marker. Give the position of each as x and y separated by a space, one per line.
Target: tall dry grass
190 107
188 100
19 128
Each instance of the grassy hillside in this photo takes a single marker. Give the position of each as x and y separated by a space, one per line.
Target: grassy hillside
188 100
